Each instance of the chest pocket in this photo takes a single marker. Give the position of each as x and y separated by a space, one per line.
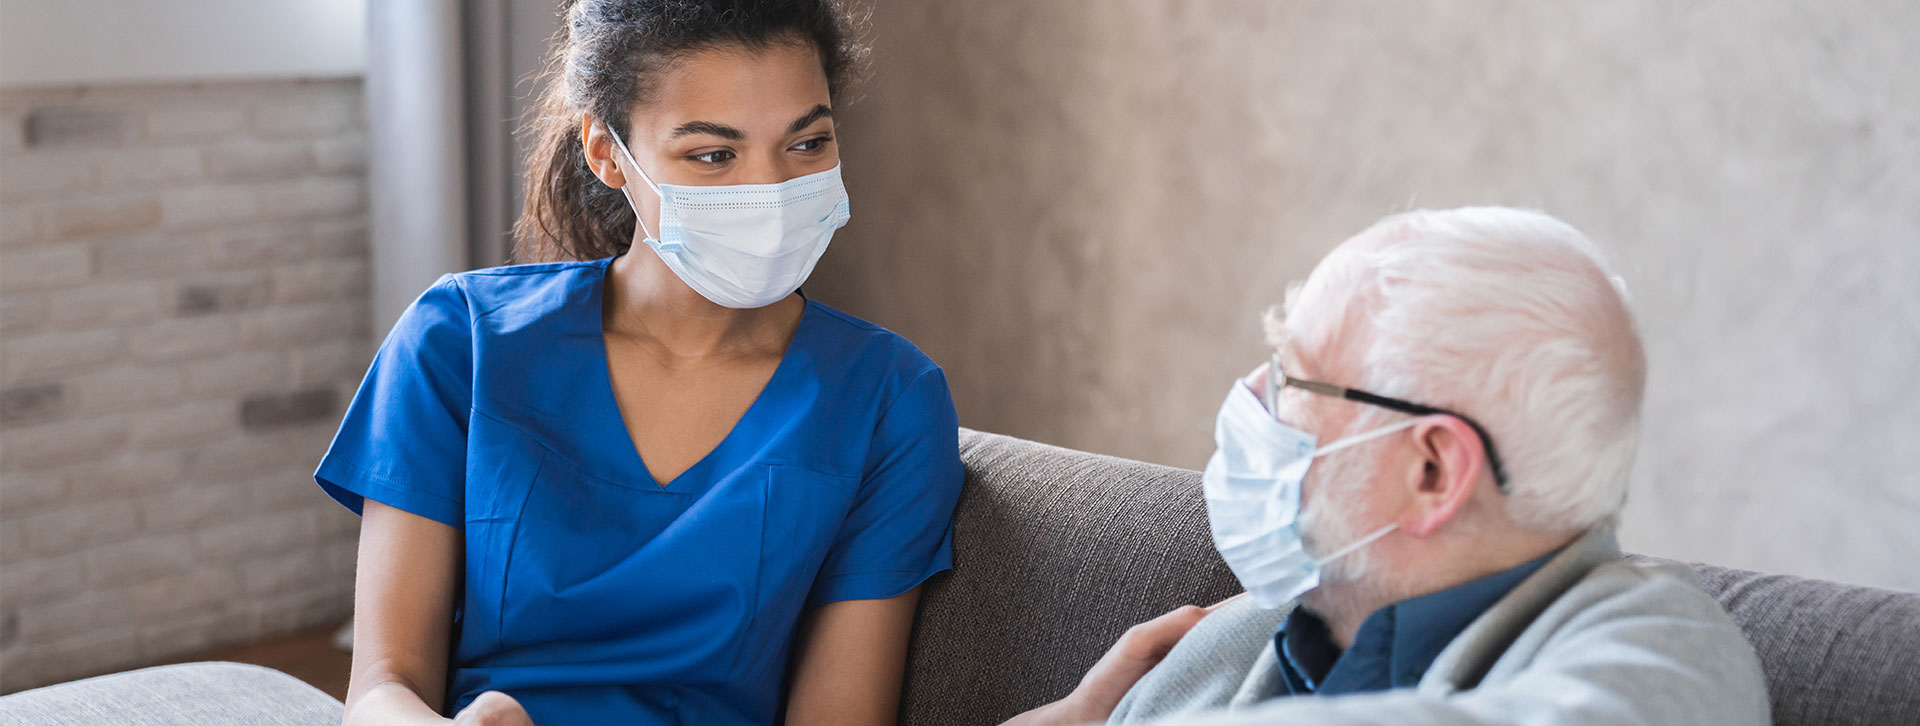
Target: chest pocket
651 585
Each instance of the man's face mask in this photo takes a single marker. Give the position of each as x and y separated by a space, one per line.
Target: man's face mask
1252 484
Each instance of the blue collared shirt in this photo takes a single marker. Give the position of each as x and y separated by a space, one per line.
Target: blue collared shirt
1395 645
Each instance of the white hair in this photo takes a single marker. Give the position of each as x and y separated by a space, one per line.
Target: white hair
1507 316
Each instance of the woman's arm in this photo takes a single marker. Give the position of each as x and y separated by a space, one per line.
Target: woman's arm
402 619
849 659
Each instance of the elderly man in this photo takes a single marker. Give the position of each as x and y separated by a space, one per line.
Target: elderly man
1419 494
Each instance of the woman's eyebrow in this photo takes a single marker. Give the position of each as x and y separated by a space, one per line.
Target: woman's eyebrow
819 112
710 128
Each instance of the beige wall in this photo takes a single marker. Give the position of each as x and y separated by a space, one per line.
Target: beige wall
1080 207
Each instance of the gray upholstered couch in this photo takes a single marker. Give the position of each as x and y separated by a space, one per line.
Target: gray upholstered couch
1058 552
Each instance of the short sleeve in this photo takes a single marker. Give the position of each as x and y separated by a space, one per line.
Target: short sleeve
403 442
899 531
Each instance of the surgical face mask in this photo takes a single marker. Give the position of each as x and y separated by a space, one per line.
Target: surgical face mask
744 245
1252 487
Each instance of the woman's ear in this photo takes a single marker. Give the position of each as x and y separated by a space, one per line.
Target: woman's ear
1452 465
598 146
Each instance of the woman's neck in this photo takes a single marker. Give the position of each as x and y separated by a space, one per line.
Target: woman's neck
646 301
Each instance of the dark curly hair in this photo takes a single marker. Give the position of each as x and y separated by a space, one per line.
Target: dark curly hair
604 60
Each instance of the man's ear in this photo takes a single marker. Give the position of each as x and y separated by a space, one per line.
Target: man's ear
1451 463
597 143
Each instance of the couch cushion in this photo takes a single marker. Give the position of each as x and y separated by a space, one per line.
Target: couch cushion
1056 552
191 694
1059 551
1834 654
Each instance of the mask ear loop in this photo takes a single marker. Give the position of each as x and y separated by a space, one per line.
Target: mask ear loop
643 177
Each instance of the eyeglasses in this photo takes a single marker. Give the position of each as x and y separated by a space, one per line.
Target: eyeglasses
1277 379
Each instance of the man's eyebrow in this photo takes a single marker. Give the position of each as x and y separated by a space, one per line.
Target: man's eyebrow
819 112
710 128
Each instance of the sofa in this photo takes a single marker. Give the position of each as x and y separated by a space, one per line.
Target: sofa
1058 552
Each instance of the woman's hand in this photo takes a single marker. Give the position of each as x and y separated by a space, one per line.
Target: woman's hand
493 708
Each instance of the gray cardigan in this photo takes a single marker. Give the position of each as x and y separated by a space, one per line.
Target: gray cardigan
1587 639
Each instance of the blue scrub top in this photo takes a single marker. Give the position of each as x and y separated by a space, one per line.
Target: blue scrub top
592 594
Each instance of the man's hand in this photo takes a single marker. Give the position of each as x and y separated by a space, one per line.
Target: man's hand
1141 648
493 708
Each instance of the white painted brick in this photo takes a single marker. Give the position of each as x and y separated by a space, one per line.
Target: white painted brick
22 313
344 360
303 610
234 372
100 305
22 493
96 651
305 118
338 237
247 456
42 579
341 155
148 167
19 226
199 121
180 339
203 206
284 327
258 245
79 526
101 216
187 505
315 196
321 280
79 612
125 388
289 489
40 268
13 131
334 521
131 562
161 255
222 292
192 633
39 447
44 175
201 590
56 353
255 161
294 571
126 474
253 536
186 424
13 544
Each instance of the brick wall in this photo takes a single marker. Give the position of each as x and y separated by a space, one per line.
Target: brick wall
183 316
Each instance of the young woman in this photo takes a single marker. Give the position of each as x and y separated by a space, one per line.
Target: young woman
643 479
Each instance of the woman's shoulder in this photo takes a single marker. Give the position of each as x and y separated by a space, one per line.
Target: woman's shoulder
536 287
865 347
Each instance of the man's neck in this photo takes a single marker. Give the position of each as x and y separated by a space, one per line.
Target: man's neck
1403 574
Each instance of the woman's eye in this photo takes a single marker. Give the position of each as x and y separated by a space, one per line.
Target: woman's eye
720 156
814 144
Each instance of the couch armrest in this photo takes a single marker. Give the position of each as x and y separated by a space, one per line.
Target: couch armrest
190 694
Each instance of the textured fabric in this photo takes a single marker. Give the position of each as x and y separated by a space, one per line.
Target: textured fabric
1835 655
1586 639
1056 552
1395 646
1059 551
594 593
192 694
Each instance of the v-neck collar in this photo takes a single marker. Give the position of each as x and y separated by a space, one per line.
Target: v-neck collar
629 464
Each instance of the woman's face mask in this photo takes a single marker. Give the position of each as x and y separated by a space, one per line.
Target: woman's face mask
743 245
